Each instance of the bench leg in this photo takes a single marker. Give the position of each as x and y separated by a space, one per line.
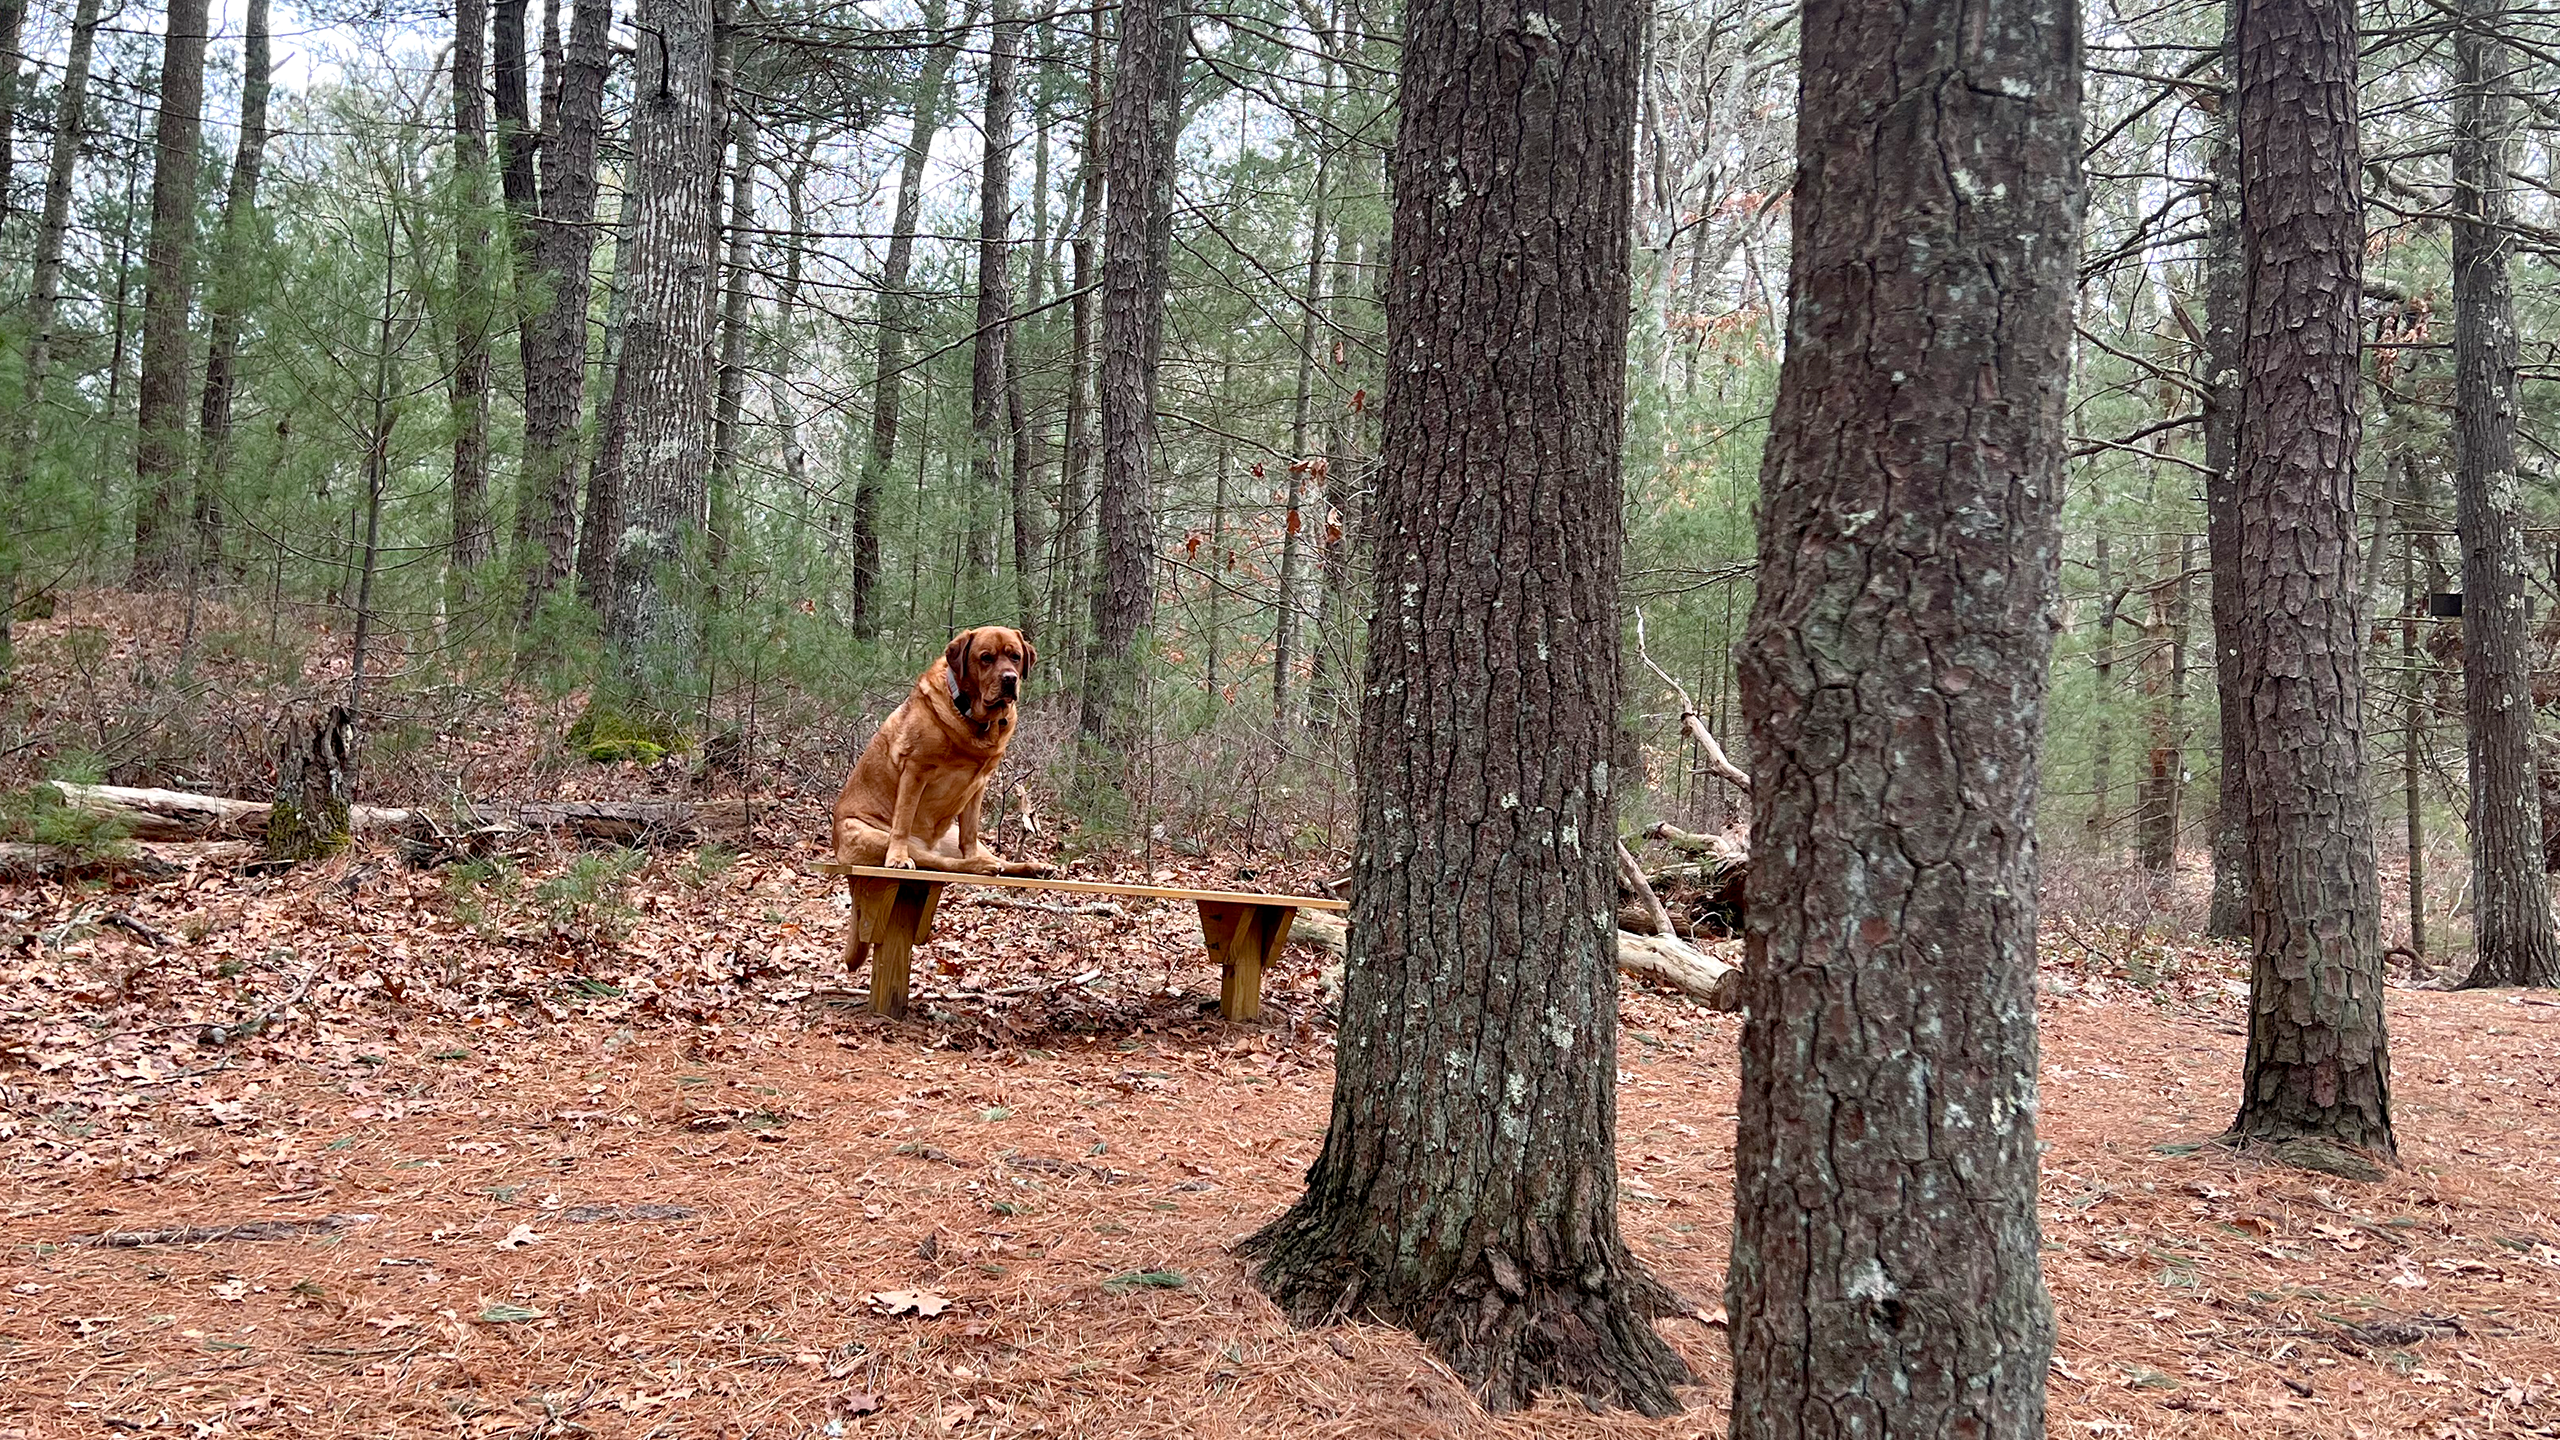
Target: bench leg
1243 939
909 920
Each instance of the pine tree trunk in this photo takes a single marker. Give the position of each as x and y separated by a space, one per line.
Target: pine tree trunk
2228 918
1481 862
661 412
473 541
2510 899
558 219
1142 128
891 322
2102 819
160 451
2318 1063
1885 1277
989 436
230 288
44 303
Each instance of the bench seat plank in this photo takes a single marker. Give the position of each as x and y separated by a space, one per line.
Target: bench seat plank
1087 887
893 911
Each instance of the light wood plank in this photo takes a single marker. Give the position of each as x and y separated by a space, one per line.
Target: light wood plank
1086 887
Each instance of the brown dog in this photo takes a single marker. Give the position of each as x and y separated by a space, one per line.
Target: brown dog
927 769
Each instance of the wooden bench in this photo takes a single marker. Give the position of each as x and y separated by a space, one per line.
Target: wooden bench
893 912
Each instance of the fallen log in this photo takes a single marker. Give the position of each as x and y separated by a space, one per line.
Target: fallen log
179 815
1681 966
182 815
150 860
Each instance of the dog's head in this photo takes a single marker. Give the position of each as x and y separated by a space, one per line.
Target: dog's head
987 666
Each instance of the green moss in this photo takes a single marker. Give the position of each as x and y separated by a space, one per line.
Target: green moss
608 733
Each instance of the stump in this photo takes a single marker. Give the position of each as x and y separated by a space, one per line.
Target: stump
315 788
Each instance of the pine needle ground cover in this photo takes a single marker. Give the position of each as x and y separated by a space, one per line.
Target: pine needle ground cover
492 1184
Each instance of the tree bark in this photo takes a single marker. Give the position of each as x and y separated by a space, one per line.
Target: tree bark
230 288
2228 918
1885 1277
2511 902
729 415
1481 1000
891 322
160 452
1075 487
989 435
315 787
1302 465
13 28
1143 127
44 299
662 387
2318 1062
473 542
557 217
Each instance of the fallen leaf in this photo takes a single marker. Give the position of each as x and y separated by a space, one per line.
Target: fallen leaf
922 1303
508 1314
519 1237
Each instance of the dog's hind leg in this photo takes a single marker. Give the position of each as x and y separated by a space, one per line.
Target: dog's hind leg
860 843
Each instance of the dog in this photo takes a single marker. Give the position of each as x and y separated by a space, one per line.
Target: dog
925 773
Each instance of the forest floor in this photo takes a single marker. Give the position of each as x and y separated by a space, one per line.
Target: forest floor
591 1143
645 1175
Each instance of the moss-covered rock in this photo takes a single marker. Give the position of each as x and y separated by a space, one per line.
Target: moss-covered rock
608 732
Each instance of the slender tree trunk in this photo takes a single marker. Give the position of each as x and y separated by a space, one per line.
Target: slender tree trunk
2229 915
13 26
2102 819
602 519
1075 490
663 386
727 417
160 452
2318 1064
1029 544
560 238
1885 1277
1481 862
43 310
2511 902
891 322
2413 733
231 290
1284 620
2164 692
988 491
1334 650
473 540
1144 124
781 384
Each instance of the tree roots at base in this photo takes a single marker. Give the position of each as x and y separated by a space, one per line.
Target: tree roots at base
1508 1334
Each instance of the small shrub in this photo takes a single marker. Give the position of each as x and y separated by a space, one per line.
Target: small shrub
586 899
38 815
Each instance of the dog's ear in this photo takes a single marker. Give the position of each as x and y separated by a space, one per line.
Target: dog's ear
1028 655
955 660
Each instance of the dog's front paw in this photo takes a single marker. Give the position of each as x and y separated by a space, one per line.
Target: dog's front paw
1027 869
898 859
